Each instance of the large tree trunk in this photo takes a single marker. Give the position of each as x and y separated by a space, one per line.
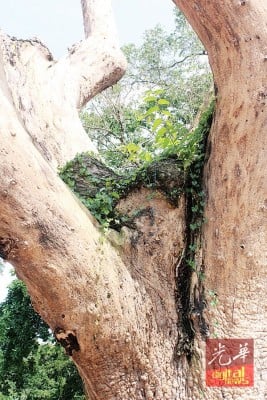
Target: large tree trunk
235 235
114 306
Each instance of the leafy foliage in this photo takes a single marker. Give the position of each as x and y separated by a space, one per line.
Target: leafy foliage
147 116
195 194
169 136
188 304
32 366
173 160
17 340
174 63
101 189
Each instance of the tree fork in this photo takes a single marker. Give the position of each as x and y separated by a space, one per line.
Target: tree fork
115 311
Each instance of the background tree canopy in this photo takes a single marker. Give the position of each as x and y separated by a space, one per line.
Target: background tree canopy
170 71
32 365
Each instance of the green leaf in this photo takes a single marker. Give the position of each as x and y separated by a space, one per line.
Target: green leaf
161 132
150 98
132 148
146 156
157 123
163 102
166 112
151 110
115 195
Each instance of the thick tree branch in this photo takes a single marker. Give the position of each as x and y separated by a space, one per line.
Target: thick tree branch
226 37
78 281
235 35
98 19
48 243
33 77
103 63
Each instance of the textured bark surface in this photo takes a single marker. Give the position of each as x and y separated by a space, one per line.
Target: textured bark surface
235 235
100 304
115 304
47 94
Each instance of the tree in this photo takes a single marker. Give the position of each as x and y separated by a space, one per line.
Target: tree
32 366
235 232
114 309
173 64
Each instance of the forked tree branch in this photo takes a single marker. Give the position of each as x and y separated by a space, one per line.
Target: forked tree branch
34 78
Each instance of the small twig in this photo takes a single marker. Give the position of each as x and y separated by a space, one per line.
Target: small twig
203 53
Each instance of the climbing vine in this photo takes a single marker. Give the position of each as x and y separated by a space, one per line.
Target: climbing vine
173 164
194 187
100 188
189 304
